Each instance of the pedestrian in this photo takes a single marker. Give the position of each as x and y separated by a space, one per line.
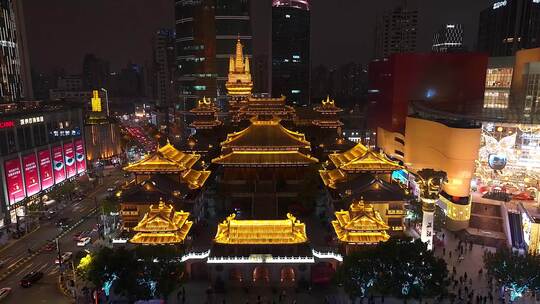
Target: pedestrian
465 275
382 299
443 251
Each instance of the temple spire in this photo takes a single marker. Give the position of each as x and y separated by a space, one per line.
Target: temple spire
246 66
231 64
239 55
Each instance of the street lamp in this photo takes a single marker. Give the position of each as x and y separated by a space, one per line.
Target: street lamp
106 99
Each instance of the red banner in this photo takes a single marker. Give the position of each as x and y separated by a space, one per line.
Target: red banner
58 165
69 156
45 169
14 180
31 174
80 156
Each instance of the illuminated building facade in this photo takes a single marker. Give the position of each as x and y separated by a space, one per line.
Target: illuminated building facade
364 174
165 173
449 38
162 225
102 133
262 168
291 61
360 225
206 32
508 26
41 147
498 82
239 84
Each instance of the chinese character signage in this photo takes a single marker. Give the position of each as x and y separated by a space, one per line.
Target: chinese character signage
69 156
31 175
58 165
14 181
80 157
45 169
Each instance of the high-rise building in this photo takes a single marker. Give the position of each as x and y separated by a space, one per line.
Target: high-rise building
95 72
164 67
449 38
22 46
11 69
206 34
291 50
396 32
509 26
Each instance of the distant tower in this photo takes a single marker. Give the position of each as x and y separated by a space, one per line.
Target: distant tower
449 38
11 78
291 61
396 32
239 84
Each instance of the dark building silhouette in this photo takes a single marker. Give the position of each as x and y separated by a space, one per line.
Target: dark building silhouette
95 73
163 68
261 74
509 26
206 34
291 50
396 31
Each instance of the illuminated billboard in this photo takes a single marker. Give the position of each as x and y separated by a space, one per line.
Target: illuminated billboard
31 174
80 156
58 165
69 156
14 181
45 169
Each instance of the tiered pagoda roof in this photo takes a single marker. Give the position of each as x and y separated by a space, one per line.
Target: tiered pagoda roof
265 106
205 115
360 225
327 114
162 225
265 143
168 160
359 159
239 83
260 232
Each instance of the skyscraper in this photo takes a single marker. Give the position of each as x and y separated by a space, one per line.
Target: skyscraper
396 32
95 72
164 67
509 26
206 34
449 38
11 78
291 50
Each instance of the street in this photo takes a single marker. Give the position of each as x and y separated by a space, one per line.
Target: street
46 290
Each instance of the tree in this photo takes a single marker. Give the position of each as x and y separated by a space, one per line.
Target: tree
397 267
516 273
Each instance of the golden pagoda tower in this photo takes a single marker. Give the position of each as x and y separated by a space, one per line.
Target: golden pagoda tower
239 83
205 115
328 114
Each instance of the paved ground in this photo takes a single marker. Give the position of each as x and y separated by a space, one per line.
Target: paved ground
46 290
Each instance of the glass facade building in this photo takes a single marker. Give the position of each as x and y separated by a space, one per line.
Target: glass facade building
206 34
11 84
291 62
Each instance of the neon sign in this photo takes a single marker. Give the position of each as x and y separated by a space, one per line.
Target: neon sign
7 124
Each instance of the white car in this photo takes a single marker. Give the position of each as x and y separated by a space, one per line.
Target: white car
84 241
4 292
65 257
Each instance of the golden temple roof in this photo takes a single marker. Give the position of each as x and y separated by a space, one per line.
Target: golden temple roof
265 158
255 232
204 106
361 224
327 106
195 178
265 135
239 77
166 159
360 158
162 225
332 177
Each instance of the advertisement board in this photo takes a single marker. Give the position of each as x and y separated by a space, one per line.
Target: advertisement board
31 174
14 181
58 164
45 169
69 156
80 156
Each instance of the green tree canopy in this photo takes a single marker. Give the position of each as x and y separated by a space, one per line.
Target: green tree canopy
398 267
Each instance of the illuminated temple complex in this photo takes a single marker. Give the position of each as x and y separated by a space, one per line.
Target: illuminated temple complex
264 107
207 126
239 83
165 173
360 225
162 225
262 168
362 173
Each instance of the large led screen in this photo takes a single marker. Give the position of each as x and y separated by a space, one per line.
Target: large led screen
14 180
58 165
80 156
69 156
45 169
31 174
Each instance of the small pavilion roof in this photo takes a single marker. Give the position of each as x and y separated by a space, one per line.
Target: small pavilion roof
265 159
166 159
361 224
257 232
362 159
327 106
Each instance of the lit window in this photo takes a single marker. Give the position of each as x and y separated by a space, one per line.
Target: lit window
287 16
295 91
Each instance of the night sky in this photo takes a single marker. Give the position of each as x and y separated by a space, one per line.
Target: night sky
60 32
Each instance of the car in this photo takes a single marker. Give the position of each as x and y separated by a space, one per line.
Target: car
84 241
110 189
4 292
77 236
31 278
49 247
65 257
51 214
